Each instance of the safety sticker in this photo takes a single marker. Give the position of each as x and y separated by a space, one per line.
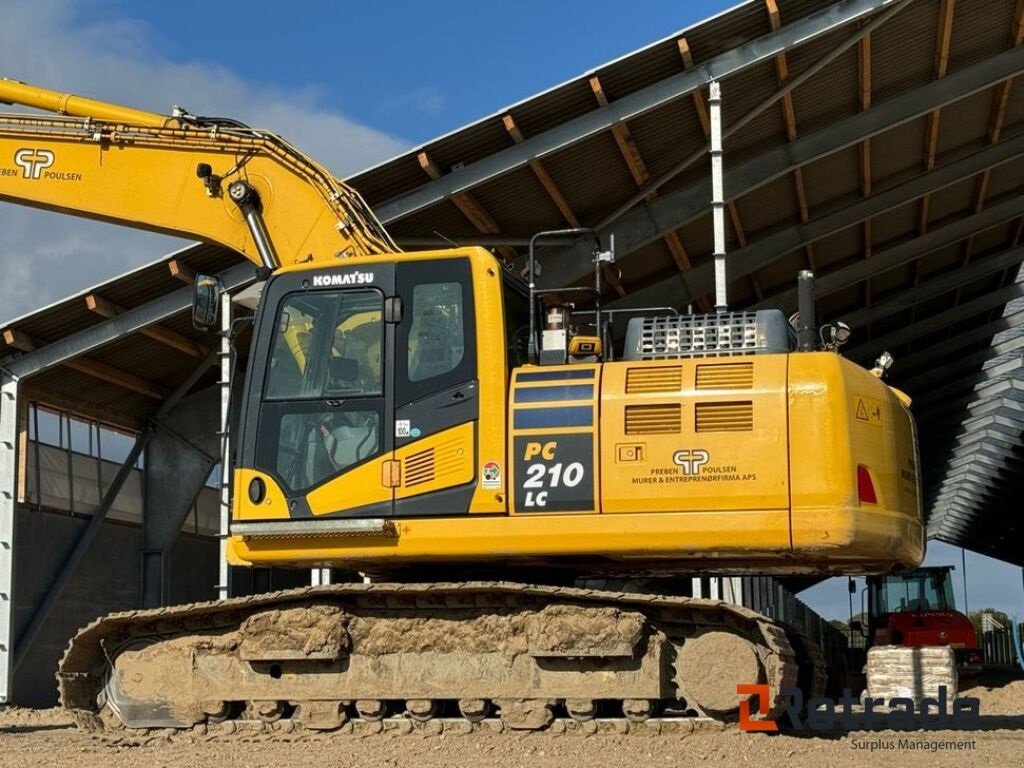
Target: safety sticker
491 475
868 410
402 428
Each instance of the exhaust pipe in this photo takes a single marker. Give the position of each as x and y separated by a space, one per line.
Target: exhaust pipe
805 330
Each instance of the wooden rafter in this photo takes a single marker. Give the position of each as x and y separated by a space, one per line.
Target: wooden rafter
543 176
995 133
166 336
181 271
789 116
704 118
94 368
705 123
995 124
638 168
469 205
943 39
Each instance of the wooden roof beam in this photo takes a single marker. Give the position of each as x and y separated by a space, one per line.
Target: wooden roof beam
543 176
789 117
166 336
701 108
944 35
469 206
638 168
995 133
182 271
94 368
996 121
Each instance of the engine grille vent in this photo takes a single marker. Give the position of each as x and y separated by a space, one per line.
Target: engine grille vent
660 379
725 376
419 468
659 419
717 335
724 417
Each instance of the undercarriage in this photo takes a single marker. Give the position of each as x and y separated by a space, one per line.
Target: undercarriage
457 656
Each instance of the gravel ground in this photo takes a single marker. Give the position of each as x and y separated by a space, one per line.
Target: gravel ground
31 738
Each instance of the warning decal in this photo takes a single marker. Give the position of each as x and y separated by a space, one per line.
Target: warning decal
868 410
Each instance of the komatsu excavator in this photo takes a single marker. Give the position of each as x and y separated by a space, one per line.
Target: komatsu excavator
429 420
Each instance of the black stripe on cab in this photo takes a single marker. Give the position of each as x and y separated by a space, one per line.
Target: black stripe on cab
549 394
536 418
581 373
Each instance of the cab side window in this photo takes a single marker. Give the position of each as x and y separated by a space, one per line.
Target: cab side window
435 340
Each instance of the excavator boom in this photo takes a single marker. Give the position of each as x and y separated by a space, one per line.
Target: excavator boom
214 180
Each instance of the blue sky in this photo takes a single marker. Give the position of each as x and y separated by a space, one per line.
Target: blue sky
353 83
412 69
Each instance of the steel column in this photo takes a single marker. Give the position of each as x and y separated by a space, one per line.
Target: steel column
226 375
8 513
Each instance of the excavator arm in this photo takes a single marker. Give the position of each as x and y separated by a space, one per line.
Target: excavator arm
210 179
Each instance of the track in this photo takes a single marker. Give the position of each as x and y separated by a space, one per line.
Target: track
438 658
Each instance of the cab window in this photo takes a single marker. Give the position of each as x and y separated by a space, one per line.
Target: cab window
323 401
437 338
327 345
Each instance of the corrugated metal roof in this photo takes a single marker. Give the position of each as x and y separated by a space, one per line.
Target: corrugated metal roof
930 275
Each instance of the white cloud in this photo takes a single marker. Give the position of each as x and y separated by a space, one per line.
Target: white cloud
44 257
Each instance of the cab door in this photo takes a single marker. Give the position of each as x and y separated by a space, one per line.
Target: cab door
437 391
326 392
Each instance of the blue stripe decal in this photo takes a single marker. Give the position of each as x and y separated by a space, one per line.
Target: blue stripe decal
535 418
548 394
584 373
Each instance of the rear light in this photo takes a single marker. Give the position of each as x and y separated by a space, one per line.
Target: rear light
865 487
975 657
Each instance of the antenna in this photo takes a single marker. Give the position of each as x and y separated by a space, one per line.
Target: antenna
718 196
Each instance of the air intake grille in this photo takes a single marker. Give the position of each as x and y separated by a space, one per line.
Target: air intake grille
718 335
660 379
419 468
654 419
725 376
724 417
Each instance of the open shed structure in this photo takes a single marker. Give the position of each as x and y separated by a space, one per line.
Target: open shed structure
876 142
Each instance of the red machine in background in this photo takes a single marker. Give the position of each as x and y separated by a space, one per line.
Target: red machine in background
917 608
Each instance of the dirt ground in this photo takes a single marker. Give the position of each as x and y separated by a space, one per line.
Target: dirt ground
45 738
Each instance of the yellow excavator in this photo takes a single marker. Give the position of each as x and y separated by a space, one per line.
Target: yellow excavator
479 447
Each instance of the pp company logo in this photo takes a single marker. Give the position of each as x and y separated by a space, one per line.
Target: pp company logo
33 161
764 695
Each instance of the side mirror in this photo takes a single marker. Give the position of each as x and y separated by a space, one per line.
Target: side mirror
206 302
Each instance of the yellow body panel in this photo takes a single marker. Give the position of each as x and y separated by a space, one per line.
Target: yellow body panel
440 461
669 446
786 500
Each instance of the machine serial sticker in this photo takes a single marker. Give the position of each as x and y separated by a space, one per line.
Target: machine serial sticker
491 475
